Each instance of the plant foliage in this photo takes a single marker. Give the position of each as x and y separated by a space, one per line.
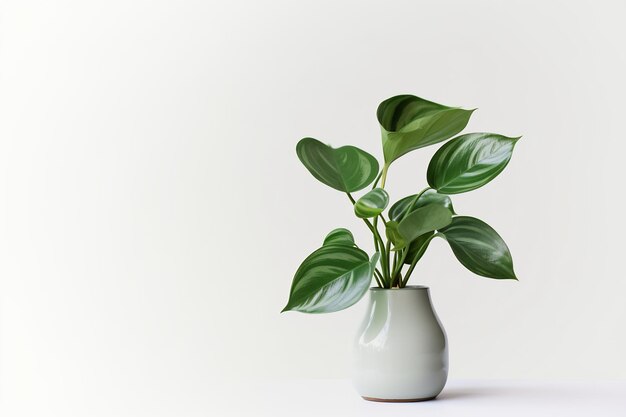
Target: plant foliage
338 274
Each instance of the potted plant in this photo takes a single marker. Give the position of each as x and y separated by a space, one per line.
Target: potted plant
401 351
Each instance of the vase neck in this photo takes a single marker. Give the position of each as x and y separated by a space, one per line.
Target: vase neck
410 300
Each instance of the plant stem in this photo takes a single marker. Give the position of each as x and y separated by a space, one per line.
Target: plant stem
376 234
388 253
378 243
376 227
376 246
382 258
376 181
396 271
385 253
410 207
378 278
418 255
383 177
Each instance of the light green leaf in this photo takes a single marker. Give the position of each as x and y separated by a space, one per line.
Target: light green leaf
332 278
345 169
372 203
479 248
409 122
423 220
469 162
398 210
393 234
339 236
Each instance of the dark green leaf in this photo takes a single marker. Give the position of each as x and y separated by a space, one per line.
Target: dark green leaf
393 234
398 210
469 162
372 203
332 278
409 122
424 219
479 248
339 236
345 169
416 245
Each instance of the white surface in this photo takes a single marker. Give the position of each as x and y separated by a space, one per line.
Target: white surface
145 144
467 398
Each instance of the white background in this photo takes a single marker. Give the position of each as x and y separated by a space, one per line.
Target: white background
153 210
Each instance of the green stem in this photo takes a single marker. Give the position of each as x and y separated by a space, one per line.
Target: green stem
382 257
418 255
377 179
376 227
410 207
383 177
379 244
378 278
375 233
396 271
388 253
375 239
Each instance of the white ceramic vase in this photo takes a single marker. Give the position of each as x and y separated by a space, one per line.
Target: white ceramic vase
400 351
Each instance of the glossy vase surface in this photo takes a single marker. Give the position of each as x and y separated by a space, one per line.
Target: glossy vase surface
401 350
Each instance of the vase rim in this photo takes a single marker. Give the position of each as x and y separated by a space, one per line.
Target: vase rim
408 287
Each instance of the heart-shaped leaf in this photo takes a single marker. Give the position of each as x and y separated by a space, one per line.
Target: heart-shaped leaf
339 236
372 203
423 220
409 122
345 169
398 211
332 278
479 248
469 162
392 231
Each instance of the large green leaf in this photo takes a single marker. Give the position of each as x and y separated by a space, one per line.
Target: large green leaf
398 210
423 220
479 248
339 236
372 203
332 278
469 162
345 169
409 122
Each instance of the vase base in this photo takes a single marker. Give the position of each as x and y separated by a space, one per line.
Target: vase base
402 400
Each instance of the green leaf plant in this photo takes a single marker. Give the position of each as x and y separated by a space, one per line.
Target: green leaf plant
338 274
